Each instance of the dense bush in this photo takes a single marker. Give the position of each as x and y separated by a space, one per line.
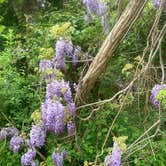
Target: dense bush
22 87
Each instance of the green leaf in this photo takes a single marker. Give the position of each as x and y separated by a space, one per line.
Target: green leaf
2 27
1 1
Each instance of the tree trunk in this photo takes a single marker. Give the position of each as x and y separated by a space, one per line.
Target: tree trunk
107 49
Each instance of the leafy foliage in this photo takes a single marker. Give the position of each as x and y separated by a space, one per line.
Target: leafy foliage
22 89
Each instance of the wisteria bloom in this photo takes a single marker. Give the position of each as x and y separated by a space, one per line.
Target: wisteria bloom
115 158
59 89
71 109
64 154
63 48
119 146
66 91
156 4
37 135
34 163
53 90
97 7
156 89
58 158
16 143
75 56
71 128
46 67
107 161
8 132
12 131
3 134
53 115
28 157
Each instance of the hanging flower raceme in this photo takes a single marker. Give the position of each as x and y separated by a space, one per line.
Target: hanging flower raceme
66 92
34 163
71 128
119 146
53 90
75 56
46 67
12 131
97 7
58 158
16 143
3 134
157 3
63 49
156 95
37 135
27 158
71 109
8 132
58 89
53 115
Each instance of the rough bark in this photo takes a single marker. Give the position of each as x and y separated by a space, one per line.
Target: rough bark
119 6
99 64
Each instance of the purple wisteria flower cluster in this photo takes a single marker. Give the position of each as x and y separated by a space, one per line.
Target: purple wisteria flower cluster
70 128
119 146
115 158
157 3
28 158
16 142
156 89
37 140
37 135
46 67
55 114
8 132
63 48
98 8
58 157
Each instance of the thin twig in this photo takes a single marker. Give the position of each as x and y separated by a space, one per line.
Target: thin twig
162 65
